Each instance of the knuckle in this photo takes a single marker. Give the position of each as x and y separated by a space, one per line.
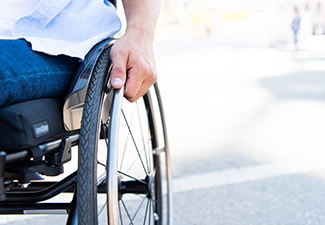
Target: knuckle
118 69
154 77
118 50
131 97
150 73
148 70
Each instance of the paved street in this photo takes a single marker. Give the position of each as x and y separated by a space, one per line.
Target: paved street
246 127
247 132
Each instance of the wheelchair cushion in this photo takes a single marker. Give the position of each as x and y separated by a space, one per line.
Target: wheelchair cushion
28 124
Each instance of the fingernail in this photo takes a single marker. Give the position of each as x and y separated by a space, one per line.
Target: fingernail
116 81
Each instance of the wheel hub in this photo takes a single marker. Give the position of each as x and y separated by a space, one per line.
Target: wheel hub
145 186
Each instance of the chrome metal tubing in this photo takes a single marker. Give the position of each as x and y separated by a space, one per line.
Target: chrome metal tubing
37 196
46 148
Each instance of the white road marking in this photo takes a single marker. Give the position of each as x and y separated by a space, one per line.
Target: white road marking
245 174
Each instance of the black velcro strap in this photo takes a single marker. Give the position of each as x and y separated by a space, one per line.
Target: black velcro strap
37 153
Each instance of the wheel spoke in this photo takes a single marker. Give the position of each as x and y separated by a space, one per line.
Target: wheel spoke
146 212
101 178
127 138
150 208
135 145
144 145
132 177
138 209
149 146
133 162
135 159
127 211
102 164
120 212
101 210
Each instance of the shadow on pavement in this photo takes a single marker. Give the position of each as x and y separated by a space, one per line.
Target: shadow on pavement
299 85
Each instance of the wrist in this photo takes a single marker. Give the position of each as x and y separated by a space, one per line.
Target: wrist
138 32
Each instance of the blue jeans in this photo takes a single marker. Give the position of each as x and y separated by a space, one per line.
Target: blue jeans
27 75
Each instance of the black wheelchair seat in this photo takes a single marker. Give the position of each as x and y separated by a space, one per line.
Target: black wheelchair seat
28 124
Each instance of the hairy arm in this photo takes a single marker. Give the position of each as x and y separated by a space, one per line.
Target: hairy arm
132 55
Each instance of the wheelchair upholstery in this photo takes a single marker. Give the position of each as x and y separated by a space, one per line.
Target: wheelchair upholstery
27 124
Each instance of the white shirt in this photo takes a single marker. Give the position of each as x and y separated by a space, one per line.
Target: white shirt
69 27
8 16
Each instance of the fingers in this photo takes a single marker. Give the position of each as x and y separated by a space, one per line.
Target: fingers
118 73
133 84
133 67
138 83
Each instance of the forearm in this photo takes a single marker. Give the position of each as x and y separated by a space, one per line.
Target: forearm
141 16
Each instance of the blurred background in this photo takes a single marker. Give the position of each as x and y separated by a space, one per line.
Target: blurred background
258 22
245 109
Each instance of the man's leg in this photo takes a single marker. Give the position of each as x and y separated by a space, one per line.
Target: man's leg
26 75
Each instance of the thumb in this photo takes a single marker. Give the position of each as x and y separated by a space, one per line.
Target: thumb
118 72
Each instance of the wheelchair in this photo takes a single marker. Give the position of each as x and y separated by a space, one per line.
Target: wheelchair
122 174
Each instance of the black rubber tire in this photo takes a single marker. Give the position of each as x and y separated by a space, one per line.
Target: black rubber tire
89 135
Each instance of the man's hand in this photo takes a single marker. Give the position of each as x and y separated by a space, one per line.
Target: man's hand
133 65
132 55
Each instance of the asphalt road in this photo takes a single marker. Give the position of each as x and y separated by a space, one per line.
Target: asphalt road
246 127
247 132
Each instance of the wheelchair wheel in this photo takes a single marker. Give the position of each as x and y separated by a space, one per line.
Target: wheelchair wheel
123 171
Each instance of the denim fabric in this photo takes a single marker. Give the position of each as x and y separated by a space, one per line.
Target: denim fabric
26 75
